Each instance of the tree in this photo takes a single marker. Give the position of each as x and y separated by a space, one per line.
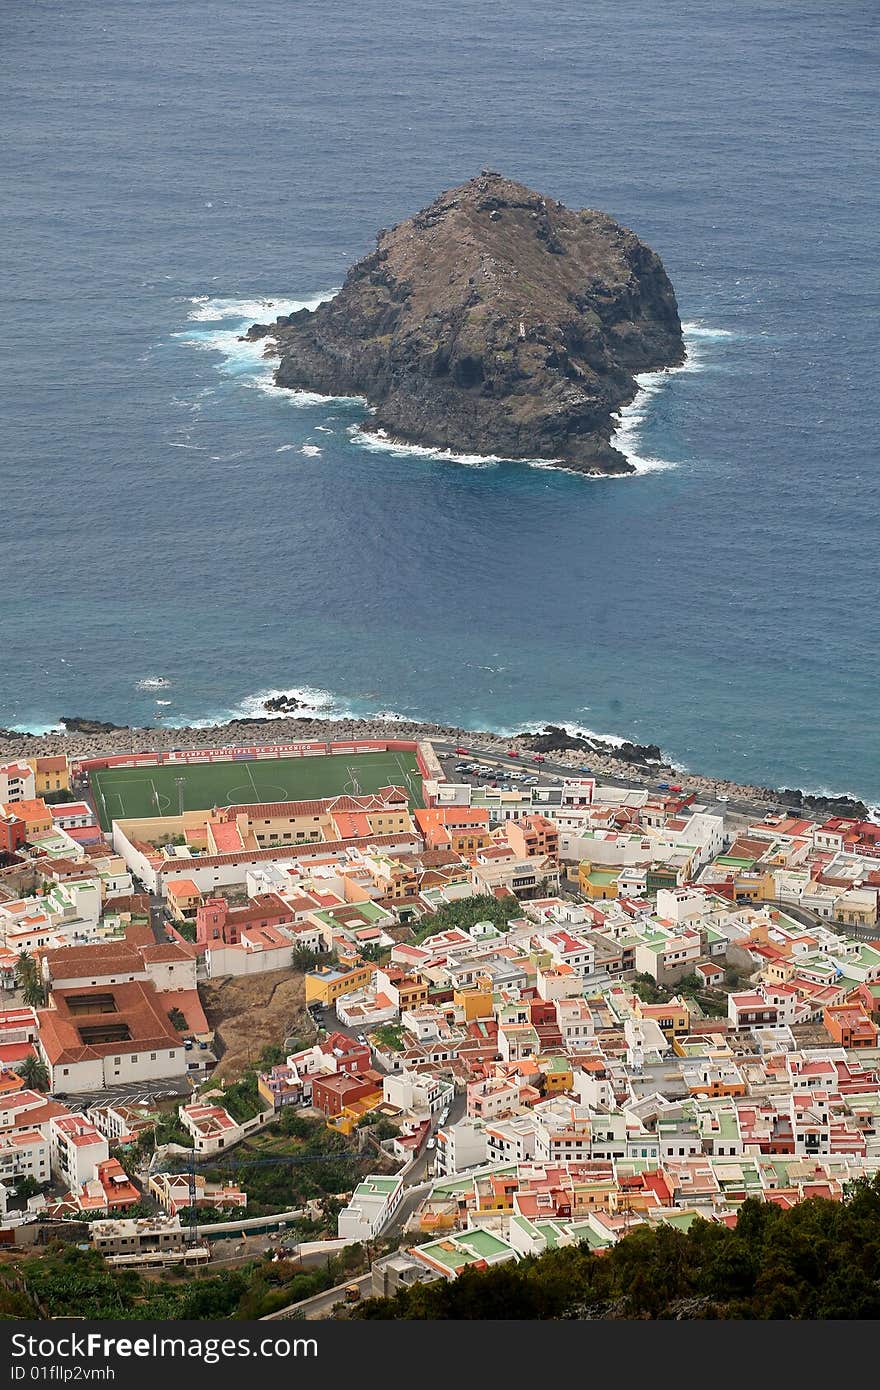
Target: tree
33 1070
24 969
28 980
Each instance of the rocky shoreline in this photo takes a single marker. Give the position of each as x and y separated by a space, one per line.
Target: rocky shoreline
641 763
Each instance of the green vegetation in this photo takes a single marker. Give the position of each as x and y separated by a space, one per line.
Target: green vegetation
379 1126
167 1130
689 987
389 1035
187 930
647 989
26 1186
144 792
304 959
820 1259
466 912
69 1282
274 1184
27 977
177 1019
241 1098
35 1073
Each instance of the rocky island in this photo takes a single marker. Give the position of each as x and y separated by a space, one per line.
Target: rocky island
494 322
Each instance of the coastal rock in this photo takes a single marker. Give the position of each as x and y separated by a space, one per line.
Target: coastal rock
283 704
554 739
814 805
494 322
75 724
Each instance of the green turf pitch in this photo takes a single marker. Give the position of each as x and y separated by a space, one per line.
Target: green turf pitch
124 793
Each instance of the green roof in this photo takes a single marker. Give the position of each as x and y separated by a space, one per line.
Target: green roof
483 1243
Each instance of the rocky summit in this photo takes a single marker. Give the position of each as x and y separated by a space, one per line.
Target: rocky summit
494 322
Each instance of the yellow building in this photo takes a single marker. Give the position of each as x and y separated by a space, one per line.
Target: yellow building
597 884
558 1074
50 775
327 983
350 1115
475 1001
671 1018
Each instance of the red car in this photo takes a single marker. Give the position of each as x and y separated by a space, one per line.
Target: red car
513 752
461 751
674 787
537 757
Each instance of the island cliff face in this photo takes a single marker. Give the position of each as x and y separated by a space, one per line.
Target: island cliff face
495 322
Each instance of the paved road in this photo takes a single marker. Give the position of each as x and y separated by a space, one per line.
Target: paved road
142 1093
807 918
549 771
321 1305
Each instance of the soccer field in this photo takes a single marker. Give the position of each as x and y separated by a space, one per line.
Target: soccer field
122 793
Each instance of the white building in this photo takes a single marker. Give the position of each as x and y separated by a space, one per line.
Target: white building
24 1154
16 783
373 1203
420 1094
460 1146
76 1148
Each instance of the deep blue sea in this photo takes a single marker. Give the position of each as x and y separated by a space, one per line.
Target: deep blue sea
177 538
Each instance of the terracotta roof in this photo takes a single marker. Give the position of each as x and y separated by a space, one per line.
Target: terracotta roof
166 951
315 849
100 958
138 1006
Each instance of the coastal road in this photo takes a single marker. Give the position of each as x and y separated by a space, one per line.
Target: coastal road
549 771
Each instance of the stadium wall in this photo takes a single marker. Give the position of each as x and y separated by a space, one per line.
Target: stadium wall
187 757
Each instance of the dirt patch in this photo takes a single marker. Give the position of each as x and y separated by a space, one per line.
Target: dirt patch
249 1012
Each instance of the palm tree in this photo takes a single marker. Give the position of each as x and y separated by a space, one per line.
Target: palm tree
28 980
34 1072
33 993
25 969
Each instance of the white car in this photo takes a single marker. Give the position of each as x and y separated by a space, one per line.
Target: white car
432 1144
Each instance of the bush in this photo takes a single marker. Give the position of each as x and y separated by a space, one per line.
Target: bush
466 912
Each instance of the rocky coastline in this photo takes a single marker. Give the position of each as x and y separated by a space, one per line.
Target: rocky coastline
637 763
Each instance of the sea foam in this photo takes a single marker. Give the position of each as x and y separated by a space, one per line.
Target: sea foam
631 419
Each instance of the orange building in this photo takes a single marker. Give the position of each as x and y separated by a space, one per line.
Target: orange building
36 816
533 836
849 1026
461 829
184 898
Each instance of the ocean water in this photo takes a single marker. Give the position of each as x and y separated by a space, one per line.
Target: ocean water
178 537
